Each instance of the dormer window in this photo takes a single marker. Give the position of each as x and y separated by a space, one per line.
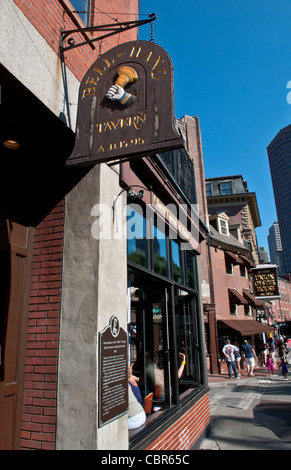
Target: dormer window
225 187
221 223
223 226
208 189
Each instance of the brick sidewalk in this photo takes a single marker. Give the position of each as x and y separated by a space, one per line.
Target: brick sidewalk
259 371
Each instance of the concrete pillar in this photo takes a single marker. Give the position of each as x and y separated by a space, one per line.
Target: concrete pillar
94 287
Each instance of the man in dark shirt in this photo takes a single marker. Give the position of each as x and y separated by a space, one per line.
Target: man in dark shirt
249 355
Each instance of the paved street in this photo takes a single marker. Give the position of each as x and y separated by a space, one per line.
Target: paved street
253 413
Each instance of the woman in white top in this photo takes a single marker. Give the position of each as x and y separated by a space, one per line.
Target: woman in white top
136 413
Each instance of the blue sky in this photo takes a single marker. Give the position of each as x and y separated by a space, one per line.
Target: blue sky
232 64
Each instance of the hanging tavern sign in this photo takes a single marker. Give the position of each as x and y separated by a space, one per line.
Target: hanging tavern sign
125 106
265 282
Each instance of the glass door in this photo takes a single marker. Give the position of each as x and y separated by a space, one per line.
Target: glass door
149 339
187 338
157 347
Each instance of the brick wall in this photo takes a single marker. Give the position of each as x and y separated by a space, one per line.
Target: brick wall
240 213
282 307
194 147
40 380
222 281
193 423
49 16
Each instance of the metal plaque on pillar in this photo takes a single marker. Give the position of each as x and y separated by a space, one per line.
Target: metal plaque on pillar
126 106
113 373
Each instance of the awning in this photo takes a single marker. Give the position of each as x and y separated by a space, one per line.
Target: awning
248 327
247 260
237 297
252 299
234 258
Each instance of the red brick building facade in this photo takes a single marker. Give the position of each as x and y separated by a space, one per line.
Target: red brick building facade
41 364
281 308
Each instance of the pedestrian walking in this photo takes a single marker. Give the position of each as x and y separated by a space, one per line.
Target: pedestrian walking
263 353
272 349
237 356
249 355
270 366
282 349
284 369
229 351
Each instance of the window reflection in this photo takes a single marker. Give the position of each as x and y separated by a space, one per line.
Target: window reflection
191 270
150 343
147 341
176 262
83 8
187 338
160 252
137 243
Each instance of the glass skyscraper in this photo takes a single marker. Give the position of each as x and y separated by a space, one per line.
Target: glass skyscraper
279 153
275 248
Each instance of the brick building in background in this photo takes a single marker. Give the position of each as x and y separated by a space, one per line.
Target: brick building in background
230 194
281 308
233 217
60 285
193 139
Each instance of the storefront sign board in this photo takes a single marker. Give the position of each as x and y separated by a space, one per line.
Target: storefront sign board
265 282
139 119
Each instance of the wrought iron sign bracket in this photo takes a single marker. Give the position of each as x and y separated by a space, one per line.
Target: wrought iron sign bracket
112 29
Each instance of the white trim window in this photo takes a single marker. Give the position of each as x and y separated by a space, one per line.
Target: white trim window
223 226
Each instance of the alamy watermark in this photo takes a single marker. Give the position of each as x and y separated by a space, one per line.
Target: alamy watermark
151 222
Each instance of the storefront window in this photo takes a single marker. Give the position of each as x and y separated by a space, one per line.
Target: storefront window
137 242
162 322
155 359
160 254
191 270
176 262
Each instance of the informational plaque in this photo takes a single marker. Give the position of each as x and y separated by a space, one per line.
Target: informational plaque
113 372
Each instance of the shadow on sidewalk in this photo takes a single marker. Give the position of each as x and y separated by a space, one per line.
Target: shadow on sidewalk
276 417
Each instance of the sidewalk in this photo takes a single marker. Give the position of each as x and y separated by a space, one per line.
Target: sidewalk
252 413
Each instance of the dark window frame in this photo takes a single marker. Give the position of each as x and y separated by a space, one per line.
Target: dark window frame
225 188
152 221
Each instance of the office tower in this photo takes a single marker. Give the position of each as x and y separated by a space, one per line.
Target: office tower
279 153
275 248
263 255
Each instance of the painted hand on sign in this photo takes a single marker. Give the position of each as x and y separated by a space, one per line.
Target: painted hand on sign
117 93
126 75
